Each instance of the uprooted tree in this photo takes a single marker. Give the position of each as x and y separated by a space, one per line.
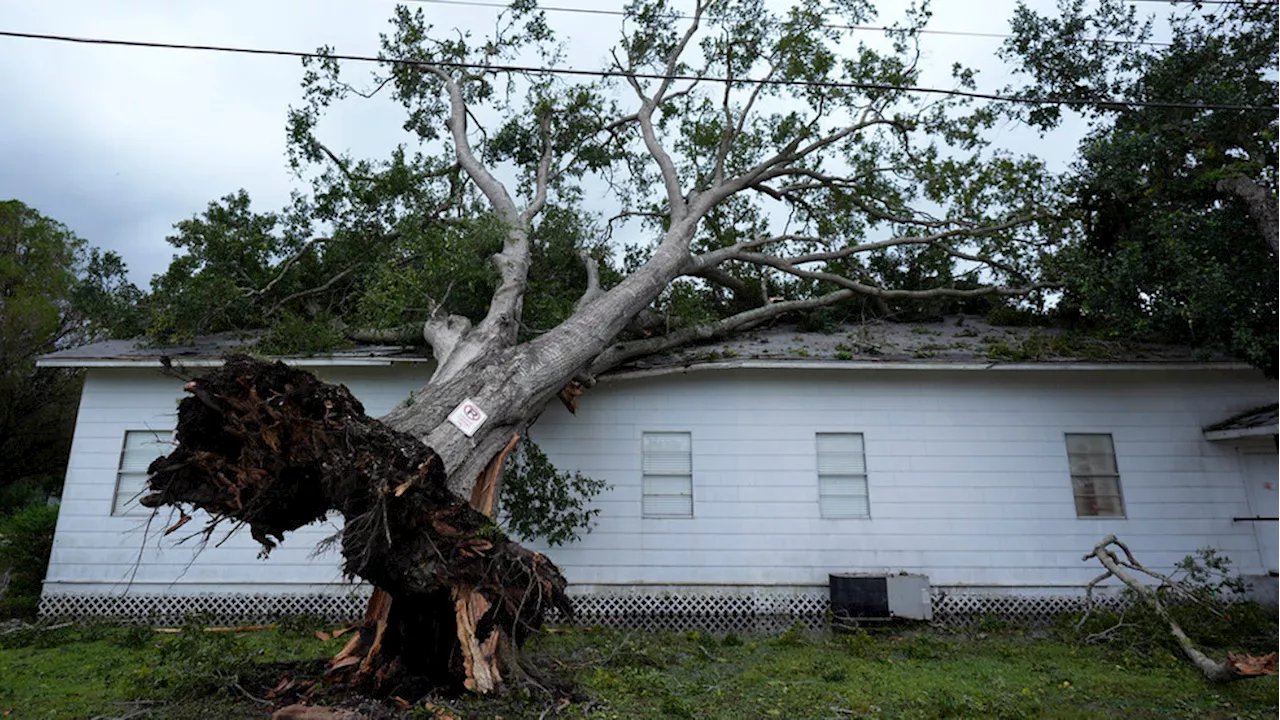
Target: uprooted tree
778 163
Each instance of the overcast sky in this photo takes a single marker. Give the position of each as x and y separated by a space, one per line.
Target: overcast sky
120 143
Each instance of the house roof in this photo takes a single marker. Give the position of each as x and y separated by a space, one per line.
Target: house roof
956 342
1258 422
952 343
209 350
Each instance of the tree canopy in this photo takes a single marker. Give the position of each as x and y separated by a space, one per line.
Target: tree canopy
811 172
1178 205
55 292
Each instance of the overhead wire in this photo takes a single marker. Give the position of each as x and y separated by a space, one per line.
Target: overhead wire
603 73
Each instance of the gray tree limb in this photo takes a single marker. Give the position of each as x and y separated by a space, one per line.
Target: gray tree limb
1261 203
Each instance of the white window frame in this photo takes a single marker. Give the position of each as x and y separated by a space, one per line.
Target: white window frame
1090 467
842 473
131 469
666 476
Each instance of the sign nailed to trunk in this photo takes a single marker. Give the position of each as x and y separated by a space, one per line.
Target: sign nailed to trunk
468 417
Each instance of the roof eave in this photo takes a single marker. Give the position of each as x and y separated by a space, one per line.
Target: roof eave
217 362
916 365
1241 433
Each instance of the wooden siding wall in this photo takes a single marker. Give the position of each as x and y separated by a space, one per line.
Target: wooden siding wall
967 476
95 552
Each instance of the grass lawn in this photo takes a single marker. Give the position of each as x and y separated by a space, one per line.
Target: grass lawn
85 672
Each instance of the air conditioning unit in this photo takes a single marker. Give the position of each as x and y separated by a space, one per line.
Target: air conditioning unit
860 596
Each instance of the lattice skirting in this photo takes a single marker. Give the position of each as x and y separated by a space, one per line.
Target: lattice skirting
720 612
957 610
215 608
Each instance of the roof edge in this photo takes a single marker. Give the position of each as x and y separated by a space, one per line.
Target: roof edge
1241 433
319 361
915 365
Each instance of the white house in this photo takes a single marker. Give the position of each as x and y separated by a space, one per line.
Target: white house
744 474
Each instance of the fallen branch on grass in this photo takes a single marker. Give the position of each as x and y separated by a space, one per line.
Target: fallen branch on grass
1236 666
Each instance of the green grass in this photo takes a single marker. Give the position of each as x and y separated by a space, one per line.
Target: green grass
89 671
92 670
917 675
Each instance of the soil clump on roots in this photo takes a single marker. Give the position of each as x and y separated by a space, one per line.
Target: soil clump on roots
272 447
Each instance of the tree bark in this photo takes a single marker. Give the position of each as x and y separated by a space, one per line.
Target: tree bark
1261 204
272 447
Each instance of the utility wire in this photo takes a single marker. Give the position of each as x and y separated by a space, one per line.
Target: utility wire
877 28
576 72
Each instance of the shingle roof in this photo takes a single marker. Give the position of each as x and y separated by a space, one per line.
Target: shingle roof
209 350
952 340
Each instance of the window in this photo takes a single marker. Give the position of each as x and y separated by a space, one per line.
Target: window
842 476
1095 481
667 468
140 448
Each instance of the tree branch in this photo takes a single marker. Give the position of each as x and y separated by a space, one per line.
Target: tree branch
622 352
593 290
543 176
1235 668
288 263
1261 203
312 291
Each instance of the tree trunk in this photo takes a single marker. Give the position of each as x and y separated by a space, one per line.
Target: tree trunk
274 448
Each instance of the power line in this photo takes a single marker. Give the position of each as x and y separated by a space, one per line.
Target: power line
576 72
875 28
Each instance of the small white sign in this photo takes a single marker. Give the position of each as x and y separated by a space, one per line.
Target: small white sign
468 417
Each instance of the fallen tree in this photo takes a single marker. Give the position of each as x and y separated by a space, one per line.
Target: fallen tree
1237 666
774 166
271 447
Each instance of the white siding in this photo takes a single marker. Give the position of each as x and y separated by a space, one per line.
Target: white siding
967 474
95 552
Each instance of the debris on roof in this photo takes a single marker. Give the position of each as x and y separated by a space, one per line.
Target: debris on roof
955 339
1258 422
210 349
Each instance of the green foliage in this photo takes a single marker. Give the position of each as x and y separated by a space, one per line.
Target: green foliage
385 243
26 537
55 292
294 335
1203 597
1166 251
539 501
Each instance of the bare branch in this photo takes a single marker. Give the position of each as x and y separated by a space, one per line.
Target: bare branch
339 162
402 335
544 170
312 291
593 290
492 189
288 263
723 279
648 104
1261 203
621 352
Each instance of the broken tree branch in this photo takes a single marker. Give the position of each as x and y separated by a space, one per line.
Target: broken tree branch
1236 667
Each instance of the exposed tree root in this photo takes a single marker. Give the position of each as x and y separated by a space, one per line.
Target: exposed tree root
272 447
1236 666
